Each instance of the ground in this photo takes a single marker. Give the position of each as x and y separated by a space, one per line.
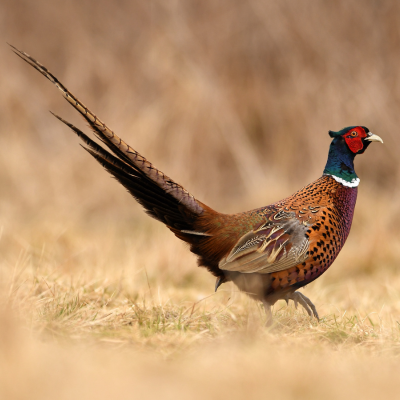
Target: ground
90 314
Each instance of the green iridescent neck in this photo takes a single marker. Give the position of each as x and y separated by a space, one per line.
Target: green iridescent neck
340 163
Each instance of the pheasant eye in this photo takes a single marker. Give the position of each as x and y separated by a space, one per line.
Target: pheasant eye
353 134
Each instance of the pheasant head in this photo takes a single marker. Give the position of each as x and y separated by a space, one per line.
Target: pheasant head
346 144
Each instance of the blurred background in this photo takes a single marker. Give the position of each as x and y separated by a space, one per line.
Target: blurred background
233 99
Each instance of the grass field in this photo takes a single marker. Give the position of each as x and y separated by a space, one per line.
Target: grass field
88 314
233 100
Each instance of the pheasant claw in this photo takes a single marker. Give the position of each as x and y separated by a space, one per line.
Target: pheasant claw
307 304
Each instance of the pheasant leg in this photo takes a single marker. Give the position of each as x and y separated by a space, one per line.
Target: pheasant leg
268 313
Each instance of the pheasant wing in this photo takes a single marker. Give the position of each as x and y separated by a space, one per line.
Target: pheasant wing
279 243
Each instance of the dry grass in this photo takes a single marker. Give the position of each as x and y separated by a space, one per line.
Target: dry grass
122 321
233 99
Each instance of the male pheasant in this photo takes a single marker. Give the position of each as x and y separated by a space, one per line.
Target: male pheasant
269 252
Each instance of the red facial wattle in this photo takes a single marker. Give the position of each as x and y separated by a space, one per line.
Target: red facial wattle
354 138
355 144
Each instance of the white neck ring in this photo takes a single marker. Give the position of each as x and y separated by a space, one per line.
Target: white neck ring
354 182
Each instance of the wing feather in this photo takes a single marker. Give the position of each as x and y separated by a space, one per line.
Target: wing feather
275 246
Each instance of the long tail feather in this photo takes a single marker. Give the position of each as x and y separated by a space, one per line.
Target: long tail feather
116 144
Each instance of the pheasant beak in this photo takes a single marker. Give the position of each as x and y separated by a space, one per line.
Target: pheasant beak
373 138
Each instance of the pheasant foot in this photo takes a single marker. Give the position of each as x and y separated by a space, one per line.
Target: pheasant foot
299 298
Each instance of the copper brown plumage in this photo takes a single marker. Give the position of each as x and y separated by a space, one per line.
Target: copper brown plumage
269 252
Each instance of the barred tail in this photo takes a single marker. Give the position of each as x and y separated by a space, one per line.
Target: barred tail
117 145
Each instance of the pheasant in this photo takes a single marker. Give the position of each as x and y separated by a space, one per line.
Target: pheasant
269 252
